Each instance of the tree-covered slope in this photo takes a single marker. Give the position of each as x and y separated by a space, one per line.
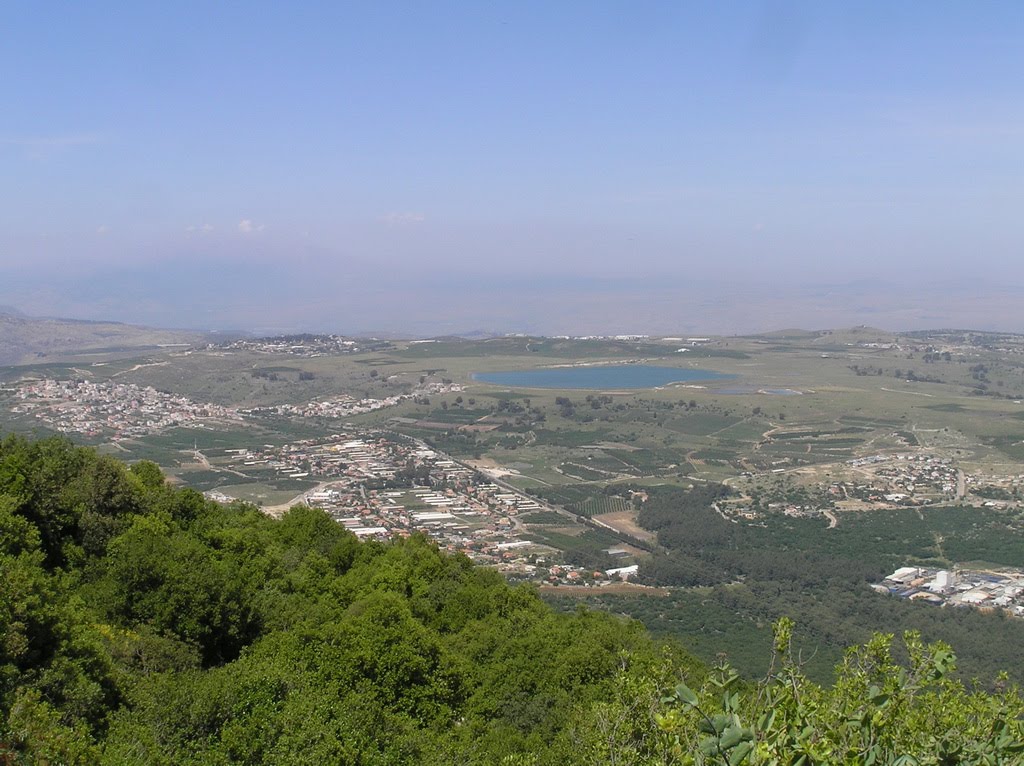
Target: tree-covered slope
142 624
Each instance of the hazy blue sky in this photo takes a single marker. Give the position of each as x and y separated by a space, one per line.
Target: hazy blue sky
388 165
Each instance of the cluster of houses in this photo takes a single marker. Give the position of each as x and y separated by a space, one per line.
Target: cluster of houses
304 345
920 479
108 408
342 406
360 457
884 481
345 406
452 504
379 486
462 512
879 481
964 588
125 410
921 473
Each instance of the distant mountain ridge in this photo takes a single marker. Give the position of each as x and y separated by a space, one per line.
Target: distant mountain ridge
25 339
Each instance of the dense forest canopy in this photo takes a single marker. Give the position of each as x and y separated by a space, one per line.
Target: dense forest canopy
143 624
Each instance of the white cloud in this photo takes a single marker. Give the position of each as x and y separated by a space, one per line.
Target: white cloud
102 230
402 219
246 226
206 228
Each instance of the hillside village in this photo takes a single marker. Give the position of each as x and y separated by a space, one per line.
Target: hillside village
876 482
303 345
344 406
120 410
125 410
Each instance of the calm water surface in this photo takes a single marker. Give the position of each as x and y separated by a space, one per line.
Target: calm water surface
601 376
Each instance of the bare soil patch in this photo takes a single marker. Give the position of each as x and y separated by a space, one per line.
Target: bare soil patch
625 522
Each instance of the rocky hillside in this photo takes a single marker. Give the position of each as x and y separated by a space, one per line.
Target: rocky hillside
24 340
